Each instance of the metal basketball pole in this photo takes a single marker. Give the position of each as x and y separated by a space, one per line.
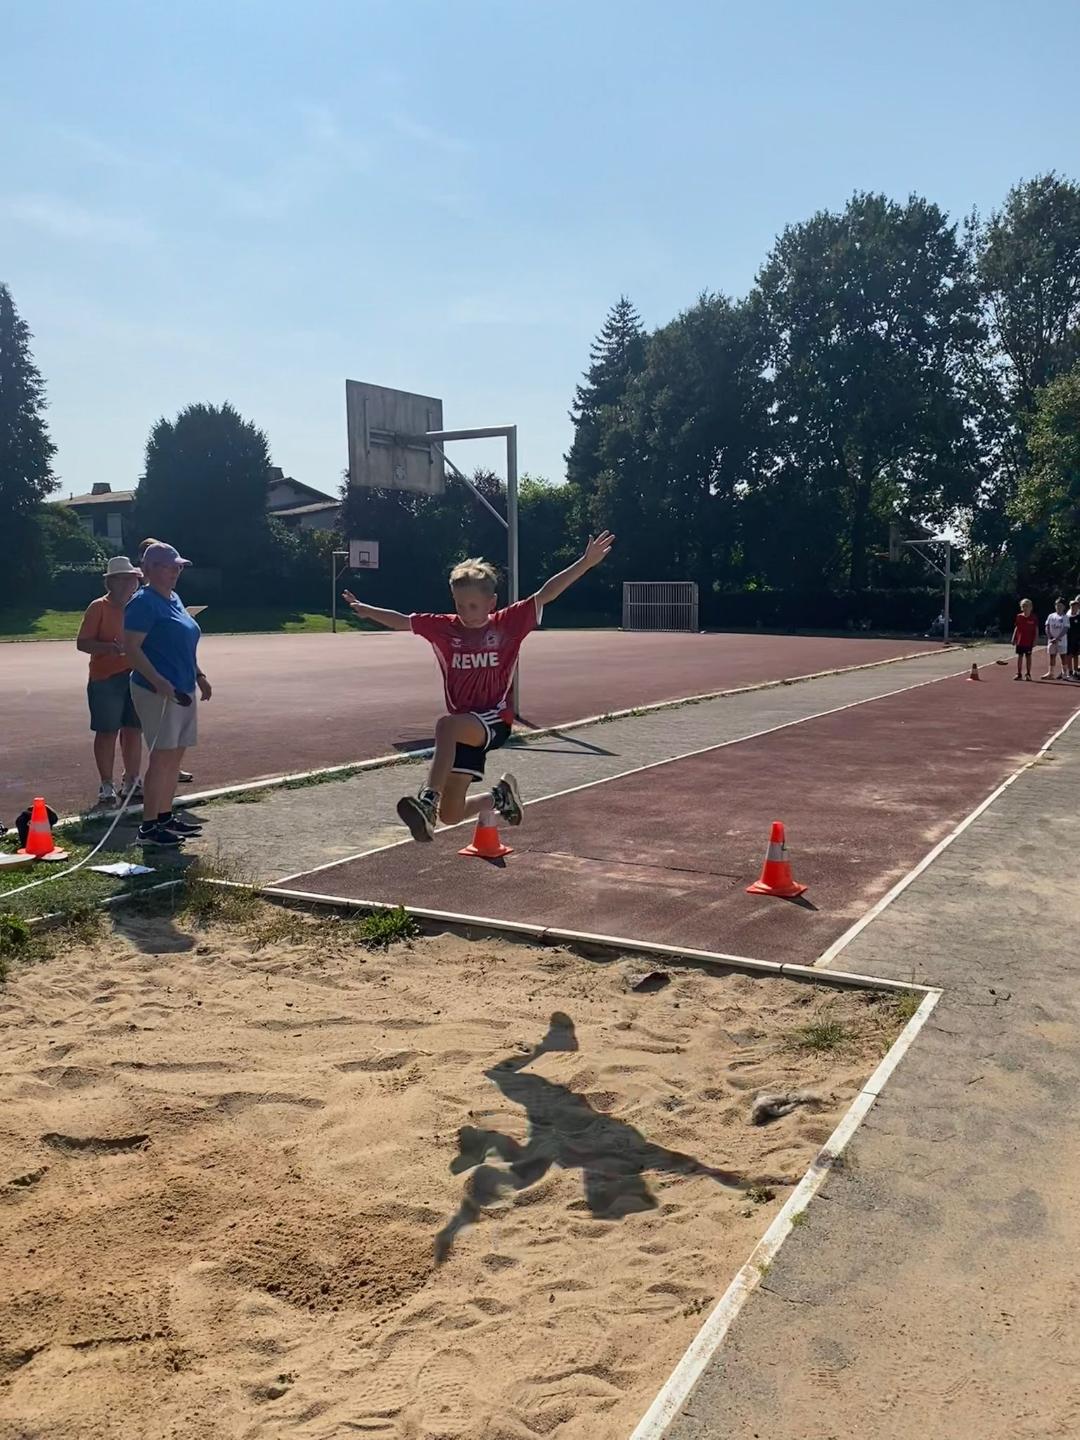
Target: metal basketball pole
437 438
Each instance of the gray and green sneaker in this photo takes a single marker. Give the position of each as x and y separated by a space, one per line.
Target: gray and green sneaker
507 799
419 813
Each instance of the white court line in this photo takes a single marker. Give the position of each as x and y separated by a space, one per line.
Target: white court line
701 1350
827 956
640 769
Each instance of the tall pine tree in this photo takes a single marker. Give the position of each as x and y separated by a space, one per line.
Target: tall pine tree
615 357
26 452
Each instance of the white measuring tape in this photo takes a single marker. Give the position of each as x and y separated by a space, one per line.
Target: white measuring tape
59 874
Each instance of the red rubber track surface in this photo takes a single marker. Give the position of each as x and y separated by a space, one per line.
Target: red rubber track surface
665 854
297 702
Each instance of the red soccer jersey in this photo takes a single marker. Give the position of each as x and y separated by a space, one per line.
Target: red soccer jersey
478 664
1027 629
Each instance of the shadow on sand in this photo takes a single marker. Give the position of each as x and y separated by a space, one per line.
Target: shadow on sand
564 1130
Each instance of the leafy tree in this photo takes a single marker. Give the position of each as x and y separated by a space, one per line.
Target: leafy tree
688 441
204 488
26 452
1029 273
870 317
66 540
1048 498
615 357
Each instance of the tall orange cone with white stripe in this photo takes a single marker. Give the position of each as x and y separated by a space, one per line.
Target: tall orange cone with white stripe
974 672
39 840
776 872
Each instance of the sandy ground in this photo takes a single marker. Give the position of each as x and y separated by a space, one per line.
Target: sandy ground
256 1182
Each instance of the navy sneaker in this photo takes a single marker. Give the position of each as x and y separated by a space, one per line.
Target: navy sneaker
158 837
180 825
507 798
419 813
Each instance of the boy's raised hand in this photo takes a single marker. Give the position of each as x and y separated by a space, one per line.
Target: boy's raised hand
598 548
351 600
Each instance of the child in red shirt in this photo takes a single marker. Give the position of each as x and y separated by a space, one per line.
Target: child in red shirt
477 649
1025 635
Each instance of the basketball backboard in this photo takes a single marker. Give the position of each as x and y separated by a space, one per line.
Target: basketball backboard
363 554
386 446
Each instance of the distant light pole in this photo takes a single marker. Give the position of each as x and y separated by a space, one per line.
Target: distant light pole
335 576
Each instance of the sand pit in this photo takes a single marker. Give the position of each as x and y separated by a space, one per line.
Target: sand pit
257 1182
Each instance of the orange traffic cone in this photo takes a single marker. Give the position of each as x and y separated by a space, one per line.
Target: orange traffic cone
39 840
974 672
776 872
486 842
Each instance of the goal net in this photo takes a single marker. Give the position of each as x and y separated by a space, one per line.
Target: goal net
660 605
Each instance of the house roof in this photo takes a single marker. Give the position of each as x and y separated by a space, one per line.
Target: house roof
111 497
311 509
277 478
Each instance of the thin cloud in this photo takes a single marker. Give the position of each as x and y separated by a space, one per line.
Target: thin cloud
426 135
66 220
97 151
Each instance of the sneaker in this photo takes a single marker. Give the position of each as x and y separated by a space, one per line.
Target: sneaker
106 794
1018 677
131 790
419 814
507 798
180 825
185 777
158 837
1027 677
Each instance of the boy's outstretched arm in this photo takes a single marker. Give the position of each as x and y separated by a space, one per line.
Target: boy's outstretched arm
389 619
596 550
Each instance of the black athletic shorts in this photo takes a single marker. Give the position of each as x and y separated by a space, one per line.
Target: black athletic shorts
1073 639
469 759
1024 649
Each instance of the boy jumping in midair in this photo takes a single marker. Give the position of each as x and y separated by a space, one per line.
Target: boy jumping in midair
477 648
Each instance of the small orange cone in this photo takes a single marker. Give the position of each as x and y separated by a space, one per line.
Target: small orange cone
486 842
776 872
39 840
974 672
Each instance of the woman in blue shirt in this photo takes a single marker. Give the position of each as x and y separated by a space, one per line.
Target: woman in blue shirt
161 642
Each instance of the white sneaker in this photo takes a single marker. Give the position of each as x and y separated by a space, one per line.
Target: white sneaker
106 794
131 790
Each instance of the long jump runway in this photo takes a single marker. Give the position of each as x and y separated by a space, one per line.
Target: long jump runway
664 854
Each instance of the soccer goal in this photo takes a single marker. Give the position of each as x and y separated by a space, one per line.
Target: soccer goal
660 605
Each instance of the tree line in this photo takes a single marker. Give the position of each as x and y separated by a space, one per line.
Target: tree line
889 366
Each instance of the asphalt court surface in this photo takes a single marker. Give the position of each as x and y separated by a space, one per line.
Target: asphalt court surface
288 703
665 854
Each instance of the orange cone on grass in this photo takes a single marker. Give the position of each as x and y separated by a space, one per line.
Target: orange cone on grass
485 842
776 872
974 672
39 839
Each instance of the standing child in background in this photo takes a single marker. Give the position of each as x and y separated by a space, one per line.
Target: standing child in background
1057 632
477 649
1072 641
1025 635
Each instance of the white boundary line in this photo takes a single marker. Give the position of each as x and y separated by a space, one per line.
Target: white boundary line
701 1350
347 768
640 769
827 956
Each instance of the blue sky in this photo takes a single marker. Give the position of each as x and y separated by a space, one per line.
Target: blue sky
251 201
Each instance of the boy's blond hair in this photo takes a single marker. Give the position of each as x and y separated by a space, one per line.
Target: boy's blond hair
1026 602
475 572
